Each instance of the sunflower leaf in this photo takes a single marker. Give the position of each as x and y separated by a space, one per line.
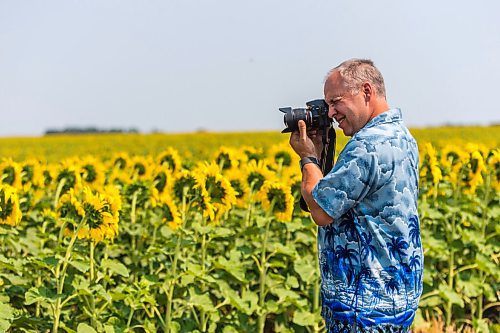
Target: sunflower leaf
115 266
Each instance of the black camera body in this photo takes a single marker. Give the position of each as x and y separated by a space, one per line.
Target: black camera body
315 116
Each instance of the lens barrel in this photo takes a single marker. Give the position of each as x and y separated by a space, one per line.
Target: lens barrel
291 118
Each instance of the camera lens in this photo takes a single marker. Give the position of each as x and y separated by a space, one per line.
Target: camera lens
292 118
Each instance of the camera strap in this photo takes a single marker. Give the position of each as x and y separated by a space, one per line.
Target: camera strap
327 158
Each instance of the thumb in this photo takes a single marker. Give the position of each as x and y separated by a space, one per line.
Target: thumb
302 130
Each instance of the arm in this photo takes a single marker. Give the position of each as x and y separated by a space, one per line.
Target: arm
311 174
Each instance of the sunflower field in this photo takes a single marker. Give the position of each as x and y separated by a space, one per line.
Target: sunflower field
203 233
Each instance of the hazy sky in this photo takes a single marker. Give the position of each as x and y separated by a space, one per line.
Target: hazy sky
180 66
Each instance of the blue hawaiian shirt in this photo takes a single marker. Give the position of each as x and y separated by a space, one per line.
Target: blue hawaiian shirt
371 257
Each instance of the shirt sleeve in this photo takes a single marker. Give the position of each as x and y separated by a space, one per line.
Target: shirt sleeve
349 181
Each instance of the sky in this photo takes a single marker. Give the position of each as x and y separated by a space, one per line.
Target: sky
184 66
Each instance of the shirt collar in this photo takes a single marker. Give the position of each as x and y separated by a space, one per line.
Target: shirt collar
390 116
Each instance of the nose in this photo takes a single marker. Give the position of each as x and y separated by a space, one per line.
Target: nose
331 111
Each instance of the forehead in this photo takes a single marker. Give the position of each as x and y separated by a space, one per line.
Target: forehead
334 85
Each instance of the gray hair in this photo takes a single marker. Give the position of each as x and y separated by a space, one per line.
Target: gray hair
356 71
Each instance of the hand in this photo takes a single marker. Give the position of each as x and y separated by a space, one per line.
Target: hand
316 136
304 145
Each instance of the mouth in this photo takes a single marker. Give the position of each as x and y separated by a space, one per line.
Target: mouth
340 120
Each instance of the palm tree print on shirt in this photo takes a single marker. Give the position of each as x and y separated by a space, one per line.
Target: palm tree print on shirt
414 232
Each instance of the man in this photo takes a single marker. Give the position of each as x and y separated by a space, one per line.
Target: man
370 253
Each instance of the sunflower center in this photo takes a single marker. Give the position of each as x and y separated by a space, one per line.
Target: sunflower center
474 163
121 163
68 210
70 179
7 206
140 190
181 183
256 179
279 199
47 178
224 160
215 189
169 161
286 159
160 181
89 174
140 168
9 175
236 184
93 215
453 157
27 174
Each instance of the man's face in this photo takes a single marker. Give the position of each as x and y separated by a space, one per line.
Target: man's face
350 111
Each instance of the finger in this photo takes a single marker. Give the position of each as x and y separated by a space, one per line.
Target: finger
302 130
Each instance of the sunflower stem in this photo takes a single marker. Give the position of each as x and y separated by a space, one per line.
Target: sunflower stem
172 282
485 222
132 210
203 315
451 259
92 281
132 221
60 186
60 276
263 272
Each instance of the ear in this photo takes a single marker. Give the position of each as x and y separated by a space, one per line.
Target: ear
367 90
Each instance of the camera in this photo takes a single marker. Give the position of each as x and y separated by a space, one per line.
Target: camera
315 116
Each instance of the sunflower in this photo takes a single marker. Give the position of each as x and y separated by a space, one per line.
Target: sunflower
185 180
452 160
226 158
101 215
430 170
10 173
475 177
141 191
92 172
282 155
277 197
493 162
433 166
141 167
49 215
120 161
10 212
70 208
256 173
26 197
68 176
240 186
170 158
118 177
32 172
250 153
293 178
168 211
218 196
162 176
49 174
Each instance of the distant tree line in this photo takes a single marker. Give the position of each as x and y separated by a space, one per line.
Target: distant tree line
89 130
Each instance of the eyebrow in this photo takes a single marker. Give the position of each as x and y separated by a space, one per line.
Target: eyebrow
335 99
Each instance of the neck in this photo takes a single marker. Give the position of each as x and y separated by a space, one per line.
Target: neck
380 106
